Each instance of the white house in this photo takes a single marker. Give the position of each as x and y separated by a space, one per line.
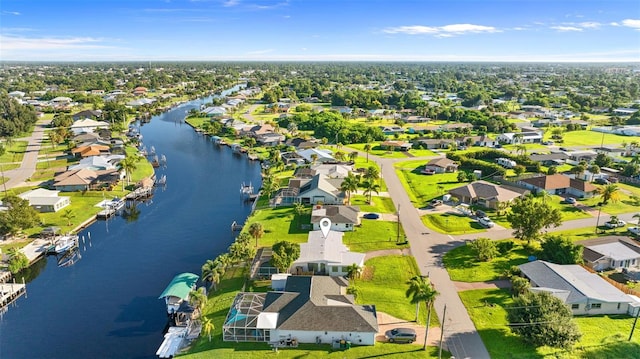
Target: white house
328 255
87 126
320 190
320 155
611 252
44 200
332 170
584 292
520 137
343 218
310 309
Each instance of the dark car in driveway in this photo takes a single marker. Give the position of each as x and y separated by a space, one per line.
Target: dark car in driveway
371 216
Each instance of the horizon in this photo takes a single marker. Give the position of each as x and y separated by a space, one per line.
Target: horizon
506 31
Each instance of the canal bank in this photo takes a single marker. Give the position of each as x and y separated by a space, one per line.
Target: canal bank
106 305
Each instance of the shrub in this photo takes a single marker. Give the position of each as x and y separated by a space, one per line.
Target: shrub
505 246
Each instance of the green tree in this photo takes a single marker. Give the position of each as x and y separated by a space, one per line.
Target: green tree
519 170
370 186
610 192
519 285
367 149
560 250
68 215
354 271
528 216
353 155
17 260
207 327
462 176
284 254
542 319
211 273
128 165
299 208
349 185
19 216
420 290
484 248
256 230
197 298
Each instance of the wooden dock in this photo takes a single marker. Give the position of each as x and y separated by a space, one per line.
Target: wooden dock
9 292
106 213
142 192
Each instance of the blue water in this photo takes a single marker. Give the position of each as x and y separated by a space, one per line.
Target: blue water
106 305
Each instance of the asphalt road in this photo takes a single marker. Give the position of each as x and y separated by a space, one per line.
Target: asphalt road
18 176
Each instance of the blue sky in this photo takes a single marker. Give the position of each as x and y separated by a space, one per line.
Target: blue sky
371 30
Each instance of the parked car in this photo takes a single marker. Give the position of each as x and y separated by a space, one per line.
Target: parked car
547 143
486 221
435 203
371 216
570 200
401 335
480 214
615 224
634 230
601 180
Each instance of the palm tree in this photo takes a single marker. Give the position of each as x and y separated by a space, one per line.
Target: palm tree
354 271
314 158
372 173
197 298
521 149
256 230
367 148
128 165
208 327
68 215
610 192
349 185
353 155
421 290
339 155
210 273
370 186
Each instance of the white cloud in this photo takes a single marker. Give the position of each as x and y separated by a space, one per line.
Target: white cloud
566 28
590 25
230 3
632 23
441 31
614 24
50 43
11 13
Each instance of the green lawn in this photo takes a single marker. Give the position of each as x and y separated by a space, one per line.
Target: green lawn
452 223
361 162
376 150
379 204
588 138
374 235
423 188
623 205
392 274
282 223
603 336
15 152
462 265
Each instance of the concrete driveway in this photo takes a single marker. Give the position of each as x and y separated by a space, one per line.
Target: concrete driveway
387 322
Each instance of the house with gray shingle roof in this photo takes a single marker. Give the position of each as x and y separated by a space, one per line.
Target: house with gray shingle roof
485 194
343 218
615 252
320 190
311 309
584 292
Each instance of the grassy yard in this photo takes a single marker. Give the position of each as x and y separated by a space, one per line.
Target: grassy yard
462 265
374 235
281 223
603 336
423 188
14 153
623 205
392 274
452 223
378 205
588 138
376 150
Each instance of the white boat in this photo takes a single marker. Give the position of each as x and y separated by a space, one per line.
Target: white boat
163 160
116 204
65 243
152 151
162 180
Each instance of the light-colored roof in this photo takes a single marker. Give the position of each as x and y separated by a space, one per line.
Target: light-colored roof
329 249
307 153
441 162
616 251
39 192
332 170
180 286
77 177
581 283
87 122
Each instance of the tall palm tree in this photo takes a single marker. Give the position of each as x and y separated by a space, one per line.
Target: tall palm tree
197 298
372 173
210 273
367 148
353 155
610 192
128 165
256 230
339 155
354 271
349 185
370 186
421 290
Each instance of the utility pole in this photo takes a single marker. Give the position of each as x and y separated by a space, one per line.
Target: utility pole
398 230
444 314
634 323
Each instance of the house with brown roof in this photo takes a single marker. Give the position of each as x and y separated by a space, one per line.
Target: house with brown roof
140 91
396 145
436 143
441 165
485 194
85 179
91 150
560 184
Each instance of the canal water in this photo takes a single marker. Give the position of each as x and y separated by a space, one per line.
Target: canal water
106 304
